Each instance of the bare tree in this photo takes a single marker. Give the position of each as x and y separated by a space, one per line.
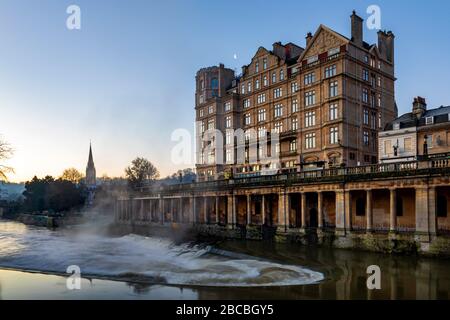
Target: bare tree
140 171
72 175
5 153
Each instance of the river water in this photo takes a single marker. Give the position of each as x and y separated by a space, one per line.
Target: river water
34 261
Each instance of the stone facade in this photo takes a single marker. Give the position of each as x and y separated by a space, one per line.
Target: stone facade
326 102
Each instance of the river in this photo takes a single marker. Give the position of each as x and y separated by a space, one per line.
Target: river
33 264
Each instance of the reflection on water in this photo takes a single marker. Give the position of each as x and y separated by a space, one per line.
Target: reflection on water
343 271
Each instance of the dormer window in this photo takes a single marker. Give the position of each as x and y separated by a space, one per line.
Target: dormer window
265 63
257 67
396 126
313 59
334 51
429 120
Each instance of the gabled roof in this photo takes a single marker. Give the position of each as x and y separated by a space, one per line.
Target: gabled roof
322 28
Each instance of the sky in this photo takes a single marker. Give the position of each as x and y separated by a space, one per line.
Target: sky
126 79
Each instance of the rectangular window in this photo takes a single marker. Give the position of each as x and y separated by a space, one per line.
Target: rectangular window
333 89
373 122
293 145
202 127
294 105
366 117
261 115
246 103
278 110
249 87
365 95
247 119
265 81
227 106
210 109
310 119
379 81
365 75
366 138
257 67
310 141
201 113
257 84
330 71
274 77
279 127
261 98
229 137
309 78
265 63
310 98
261 132
229 156
294 87
277 93
334 135
243 89
228 122
281 74
211 124
333 112
294 124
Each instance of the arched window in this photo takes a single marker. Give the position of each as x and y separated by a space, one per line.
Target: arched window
441 206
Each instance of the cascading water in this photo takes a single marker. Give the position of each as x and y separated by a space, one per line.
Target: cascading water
132 257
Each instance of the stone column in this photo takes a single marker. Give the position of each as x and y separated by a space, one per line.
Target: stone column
282 211
320 209
217 209
161 209
340 211
369 212
249 211
263 210
432 211
205 208
142 210
234 211
193 213
303 210
181 211
348 210
423 216
230 214
393 210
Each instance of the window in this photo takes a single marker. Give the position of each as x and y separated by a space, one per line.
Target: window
229 137
365 75
333 89
372 100
279 127
387 147
333 112
408 144
281 74
310 140
261 132
293 145
227 106
211 124
366 138
265 81
265 63
274 77
441 206
229 156
201 113
249 87
214 83
243 89
257 67
379 81
228 122
352 156
429 139
379 100
330 71
294 87
277 93
261 115
310 98
246 103
313 59
366 117
202 99
277 147
373 122
247 135
257 84
429 120
334 135
202 84
333 51
366 59
202 127
310 119
278 110
360 207
294 124
365 95
210 109
294 105
261 98
247 119
309 78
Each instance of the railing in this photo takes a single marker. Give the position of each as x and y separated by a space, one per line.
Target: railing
331 174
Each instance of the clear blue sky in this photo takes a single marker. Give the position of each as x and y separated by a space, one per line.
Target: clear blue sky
126 79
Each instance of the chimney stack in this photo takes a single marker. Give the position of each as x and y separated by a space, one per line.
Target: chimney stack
308 38
357 29
419 107
386 45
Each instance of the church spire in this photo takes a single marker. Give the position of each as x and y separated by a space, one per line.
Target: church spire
91 179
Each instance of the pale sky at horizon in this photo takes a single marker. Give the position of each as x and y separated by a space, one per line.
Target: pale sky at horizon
126 79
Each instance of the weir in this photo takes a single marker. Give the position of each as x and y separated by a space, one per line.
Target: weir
395 207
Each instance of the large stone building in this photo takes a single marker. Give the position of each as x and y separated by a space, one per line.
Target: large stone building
326 102
416 135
